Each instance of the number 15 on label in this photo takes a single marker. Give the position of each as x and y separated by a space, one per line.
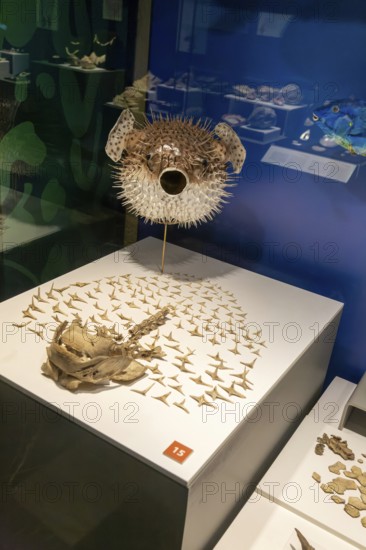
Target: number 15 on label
178 452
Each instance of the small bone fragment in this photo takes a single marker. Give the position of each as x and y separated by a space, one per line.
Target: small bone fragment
337 467
352 511
337 445
325 487
305 545
357 503
337 499
340 447
340 485
317 477
350 474
319 449
362 479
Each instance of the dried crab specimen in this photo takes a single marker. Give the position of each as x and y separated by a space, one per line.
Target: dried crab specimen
77 355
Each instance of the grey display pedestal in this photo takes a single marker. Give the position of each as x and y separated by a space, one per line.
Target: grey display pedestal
117 438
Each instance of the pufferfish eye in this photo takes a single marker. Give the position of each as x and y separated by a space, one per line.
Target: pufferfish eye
315 117
335 109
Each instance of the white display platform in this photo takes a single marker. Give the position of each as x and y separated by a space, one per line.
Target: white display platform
264 525
310 163
21 228
19 233
289 481
276 334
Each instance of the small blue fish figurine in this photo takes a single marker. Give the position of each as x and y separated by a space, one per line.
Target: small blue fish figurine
344 120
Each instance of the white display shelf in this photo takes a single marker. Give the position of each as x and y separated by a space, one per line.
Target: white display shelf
19 226
289 481
256 321
17 232
284 107
262 525
322 168
328 409
70 67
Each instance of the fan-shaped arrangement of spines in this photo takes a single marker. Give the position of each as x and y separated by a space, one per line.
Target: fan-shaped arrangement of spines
208 352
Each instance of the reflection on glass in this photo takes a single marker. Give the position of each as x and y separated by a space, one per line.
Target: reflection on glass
60 67
305 136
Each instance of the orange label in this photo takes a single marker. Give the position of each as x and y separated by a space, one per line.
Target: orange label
177 451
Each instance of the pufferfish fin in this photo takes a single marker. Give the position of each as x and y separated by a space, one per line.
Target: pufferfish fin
118 135
236 152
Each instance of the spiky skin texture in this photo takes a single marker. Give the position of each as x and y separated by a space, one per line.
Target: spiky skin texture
174 144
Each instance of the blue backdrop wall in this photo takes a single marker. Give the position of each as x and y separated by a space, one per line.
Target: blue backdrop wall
301 220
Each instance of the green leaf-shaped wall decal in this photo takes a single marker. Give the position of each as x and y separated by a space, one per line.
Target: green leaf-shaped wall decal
21 90
20 211
90 177
20 143
78 109
46 85
11 264
20 18
55 263
81 32
53 197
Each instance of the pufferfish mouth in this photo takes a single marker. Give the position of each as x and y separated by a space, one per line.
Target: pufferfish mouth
173 180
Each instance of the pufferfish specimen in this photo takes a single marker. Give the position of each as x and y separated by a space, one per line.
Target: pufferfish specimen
344 121
173 171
